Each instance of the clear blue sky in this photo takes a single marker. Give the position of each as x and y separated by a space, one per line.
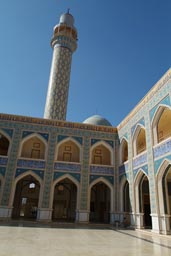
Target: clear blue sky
124 48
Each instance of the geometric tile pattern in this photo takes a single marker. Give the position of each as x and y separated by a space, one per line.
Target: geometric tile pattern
57 96
37 172
31 163
67 167
101 170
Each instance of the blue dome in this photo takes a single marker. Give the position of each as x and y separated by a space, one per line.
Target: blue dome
97 120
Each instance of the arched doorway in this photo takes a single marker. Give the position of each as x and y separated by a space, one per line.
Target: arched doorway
164 192
26 198
100 203
145 202
126 198
65 201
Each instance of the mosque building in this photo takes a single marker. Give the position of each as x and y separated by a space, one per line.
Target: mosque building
90 172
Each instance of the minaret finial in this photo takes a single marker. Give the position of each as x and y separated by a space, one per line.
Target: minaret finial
68 11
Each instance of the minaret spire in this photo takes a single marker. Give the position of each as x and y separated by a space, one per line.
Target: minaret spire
64 43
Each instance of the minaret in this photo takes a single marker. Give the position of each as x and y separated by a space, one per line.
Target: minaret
64 43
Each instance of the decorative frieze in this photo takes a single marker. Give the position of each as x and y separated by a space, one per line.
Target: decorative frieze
140 160
162 149
71 167
101 169
31 163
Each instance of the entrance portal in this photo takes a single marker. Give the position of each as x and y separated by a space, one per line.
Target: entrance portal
145 202
64 202
26 198
100 203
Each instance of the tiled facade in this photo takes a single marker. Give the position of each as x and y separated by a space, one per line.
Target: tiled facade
150 165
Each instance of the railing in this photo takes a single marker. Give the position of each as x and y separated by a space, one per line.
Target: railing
94 169
73 167
162 149
40 164
140 159
3 160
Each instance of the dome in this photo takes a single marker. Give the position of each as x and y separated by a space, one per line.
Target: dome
97 120
67 19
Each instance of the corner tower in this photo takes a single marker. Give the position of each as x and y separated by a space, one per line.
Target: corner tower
64 43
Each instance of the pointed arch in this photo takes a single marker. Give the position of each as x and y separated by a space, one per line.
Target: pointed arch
161 125
63 177
108 184
101 153
4 143
68 150
137 184
33 146
123 192
139 140
100 200
162 186
142 197
26 195
22 176
123 150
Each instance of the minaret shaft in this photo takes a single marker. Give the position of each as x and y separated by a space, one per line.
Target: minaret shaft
64 43
57 96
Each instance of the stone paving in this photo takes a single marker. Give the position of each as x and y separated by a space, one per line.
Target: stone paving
79 240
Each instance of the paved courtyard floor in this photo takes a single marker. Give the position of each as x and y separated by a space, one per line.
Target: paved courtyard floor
71 240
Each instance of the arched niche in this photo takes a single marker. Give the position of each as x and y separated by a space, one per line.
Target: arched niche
164 188
68 151
4 144
139 140
101 154
161 125
123 151
33 147
142 198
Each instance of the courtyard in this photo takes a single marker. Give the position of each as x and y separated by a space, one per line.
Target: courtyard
73 240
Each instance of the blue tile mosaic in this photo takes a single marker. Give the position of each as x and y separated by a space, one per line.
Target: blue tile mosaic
3 160
67 167
62 137
2 171
8 131
140 122
57 175
157 163
140 160
162 149
21 171
123 168
108 178
27 133
144 168
31 163
101 170
165 102
93 141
